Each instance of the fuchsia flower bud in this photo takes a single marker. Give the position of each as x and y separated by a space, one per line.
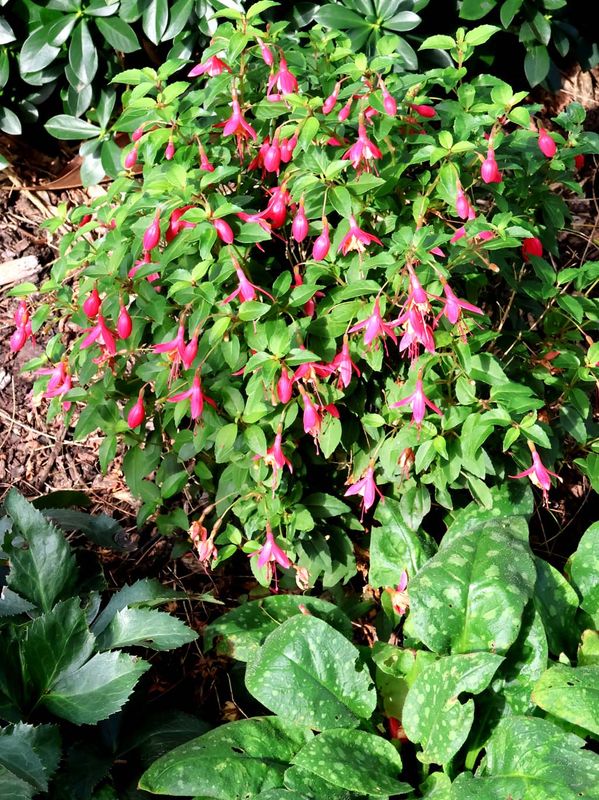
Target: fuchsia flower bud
124 326
91 306
152 234
272 156
138 133
389 102
312 419
189 352
137 413
299 227
532 247
463 207
176 224
170 150
224 231
84 220
345 111
329 103
18 339
547 146
322 243
579 161
266 53
284 386
424 111
131 158
489 170
212 66
21 316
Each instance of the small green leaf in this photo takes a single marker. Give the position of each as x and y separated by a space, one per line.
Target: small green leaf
480 34
438 42
536 64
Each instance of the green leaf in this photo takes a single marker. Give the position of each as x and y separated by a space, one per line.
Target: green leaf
56 642
83 56
309 672
480 34
155 19
146 592
475 9
43 568
433 715
531 758
307 133
438 42
583 568
43 45
570 693
508 11
536 64
96 690
145 627
354 760
557 603
394 546
242 631
119 34
259 7
100 528
62 126
9 122
340 17
470 596
233 762
19 757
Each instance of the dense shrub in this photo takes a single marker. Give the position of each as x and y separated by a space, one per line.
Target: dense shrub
328 280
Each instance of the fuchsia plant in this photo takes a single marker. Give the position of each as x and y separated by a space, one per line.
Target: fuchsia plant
226 310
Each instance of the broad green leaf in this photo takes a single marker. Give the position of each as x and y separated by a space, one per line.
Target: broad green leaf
583 568
471 595
118 33
56 642
394 546
309 673
43 568
155 19
145 627
96 690
531 759
14 788
524 663
433 716
570 693
233 762
536 64
83 56
62 126
588 651
475 9
42 46
557 603
354 760
438 42
436 787
19 757
242 631
340 17
145 592
309 786
480 34
511 500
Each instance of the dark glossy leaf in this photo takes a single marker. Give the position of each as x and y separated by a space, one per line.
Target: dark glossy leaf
9 122
119 34
337 16
43 45
83 57
145 627
155 19
536 64
146 592
63 126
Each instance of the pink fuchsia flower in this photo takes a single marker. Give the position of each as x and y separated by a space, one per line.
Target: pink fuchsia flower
538 474
283 79
366 487
425 111
237 126
463 208
330 102
21 315
131 158
205 164
266 53
531 247
344 366
416 332
418 402
489 171
389 102
284 386
174 347
356 238
203 543
196 397
189 352
345 111
453 306
137 412
312 418
310 372
363 152
246 290
272 156
92 304
270 552
275 457
276 208
224 231
60 382
124 325
547 146
147 259
375 327
101 334
138 132
212 66
176 224
152 234
287 148
400 600
299 226
322 243
169 152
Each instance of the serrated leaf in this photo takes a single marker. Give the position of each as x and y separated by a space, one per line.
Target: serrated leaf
570 693
43 569
145 592
145 627
433 716
471 595
96 690
232 762
309 672
354 760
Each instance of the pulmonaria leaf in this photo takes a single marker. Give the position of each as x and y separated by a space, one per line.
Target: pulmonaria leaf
309 673
570 693
233 762
433 715
583 568
557 603
354 760
532 759
471 595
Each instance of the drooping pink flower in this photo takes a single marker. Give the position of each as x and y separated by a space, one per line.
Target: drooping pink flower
124 325
147 259
137 412
322 243
463 208
453 306
425 111
203 543
299 226
366 487
363 152
400 600
169 152
538 474
205 164
276 208
345 111
283 79
330 102
547 145
532 247
272 156
275 457
579 161
374 327
212 66
284 386
190 351
312 419
131 158
489 171
356 238
311 371
18 338
60 382
174 347
266 53
344 366
389 102
152 233
418 402
417 332
224 230
92 304
196 397
237 126
246 290
287 148
176 224
21 315
270 552
101 334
